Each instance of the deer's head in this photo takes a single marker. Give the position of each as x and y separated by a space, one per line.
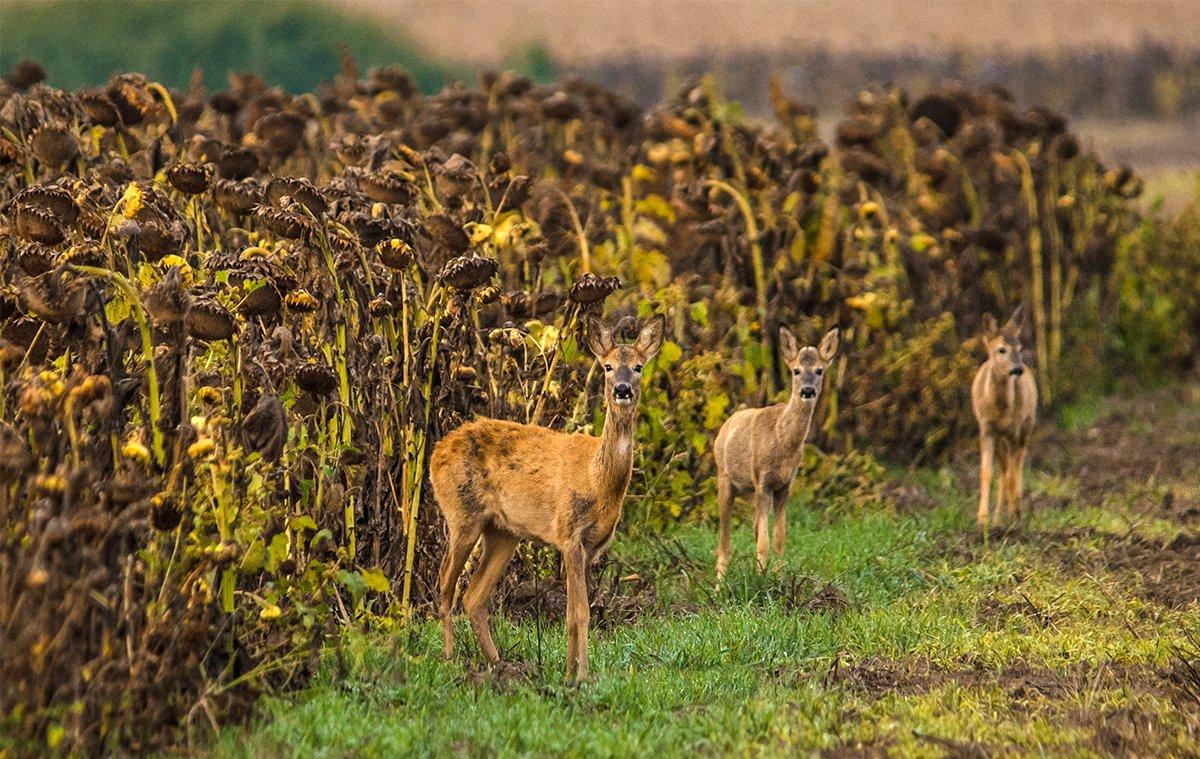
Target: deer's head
623 363
807 365
1005 352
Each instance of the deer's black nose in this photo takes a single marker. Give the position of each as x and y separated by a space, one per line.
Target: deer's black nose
808 392
623 391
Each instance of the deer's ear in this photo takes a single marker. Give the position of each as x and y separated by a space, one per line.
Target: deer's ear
599 336
650 339
829 345
1016 322
990 328
789 347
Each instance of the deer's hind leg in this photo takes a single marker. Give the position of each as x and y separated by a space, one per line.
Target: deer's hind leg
462 538
1015 476
498 548
725 513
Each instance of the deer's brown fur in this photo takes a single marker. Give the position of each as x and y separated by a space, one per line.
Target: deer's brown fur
759 450
1004 398
505 482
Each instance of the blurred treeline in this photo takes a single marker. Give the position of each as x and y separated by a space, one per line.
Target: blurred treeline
289 43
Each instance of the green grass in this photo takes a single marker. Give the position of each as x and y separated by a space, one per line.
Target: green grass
751 673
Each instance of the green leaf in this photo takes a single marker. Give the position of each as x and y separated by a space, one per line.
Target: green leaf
303 522
116 311
669 354
277 551
227 578
655 205
714 410
255 556
376 580
353 581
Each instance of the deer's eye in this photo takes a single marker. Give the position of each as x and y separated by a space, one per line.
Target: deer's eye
1002 351
638 368
796 372
608 367
820 372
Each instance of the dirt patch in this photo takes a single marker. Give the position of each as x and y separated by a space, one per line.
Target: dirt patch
1149 440
1169 571
1125 731
878 676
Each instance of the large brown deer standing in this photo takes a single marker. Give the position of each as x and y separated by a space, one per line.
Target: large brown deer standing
1004 398
759 450
507 482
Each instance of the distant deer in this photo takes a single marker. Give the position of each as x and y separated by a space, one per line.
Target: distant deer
1004 397
759 450
507 482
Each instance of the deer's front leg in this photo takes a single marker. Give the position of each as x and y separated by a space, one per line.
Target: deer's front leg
763 502
578 611
987 454
779 533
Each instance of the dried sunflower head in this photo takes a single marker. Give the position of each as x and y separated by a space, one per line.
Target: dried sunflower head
52 198
395 254
156 239
298 189
315 378
387 186
468 272
238 197
99 110
190 178
209 321
446 233
588 288
287 224
236 162
264 300
53 297
456 175
37 224
282 131
34 258
167 301
25 74
54 144
301 302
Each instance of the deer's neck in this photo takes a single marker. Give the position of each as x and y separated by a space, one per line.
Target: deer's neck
794 424
1004 393
613 463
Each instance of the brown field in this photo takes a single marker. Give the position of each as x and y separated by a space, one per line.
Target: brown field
576 31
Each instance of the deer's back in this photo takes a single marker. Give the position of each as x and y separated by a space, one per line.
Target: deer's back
510 475
744 445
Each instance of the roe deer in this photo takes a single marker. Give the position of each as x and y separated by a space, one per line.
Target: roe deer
506 482
759 450
1004 397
